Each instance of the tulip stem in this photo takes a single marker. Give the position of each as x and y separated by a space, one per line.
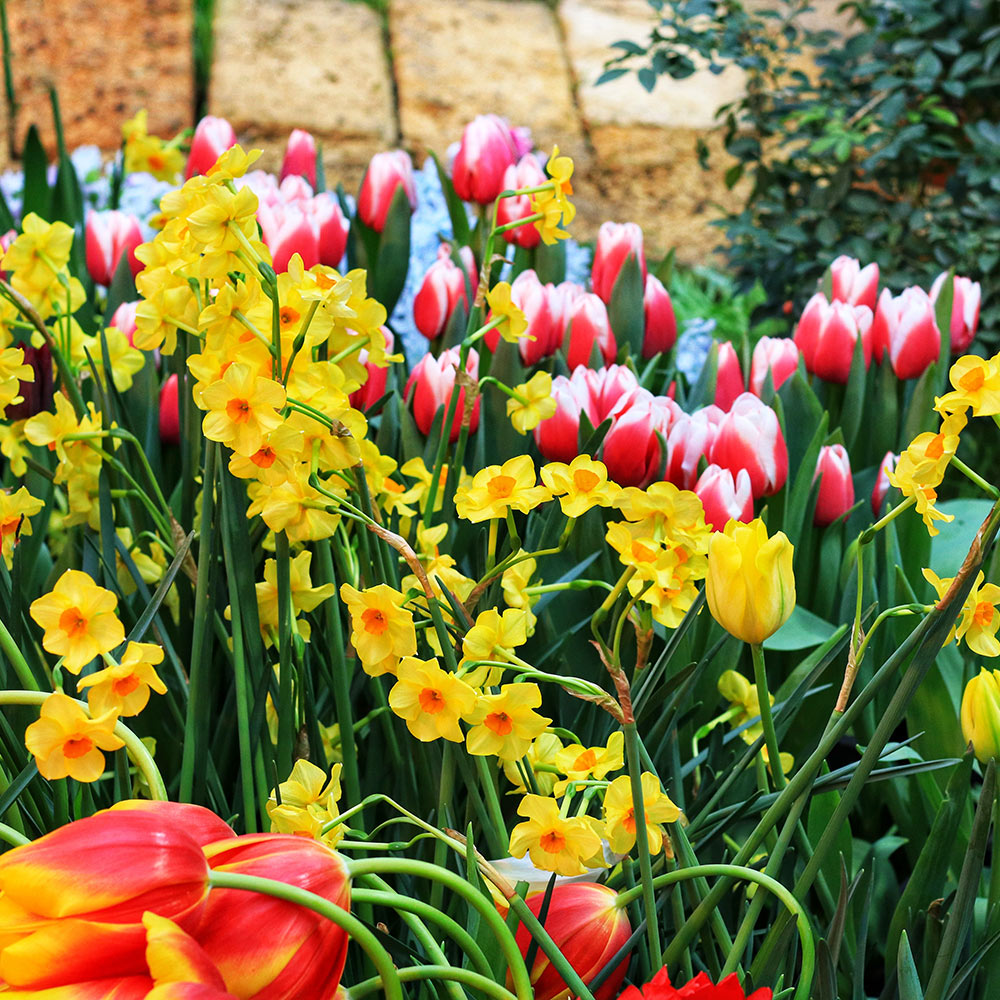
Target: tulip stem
134 746
11 836
766 720
354 927
16 658
446 973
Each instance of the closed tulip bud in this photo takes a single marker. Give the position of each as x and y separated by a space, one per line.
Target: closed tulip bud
486 151
905 328
287 231
749 437
607 387
73 900
632 449
729 382
170 425
294 190
852 283
724 498
615 243
964 310
981 714
331 227
374 388
202 825
836 487
212 137
36 395
691 439
431 384
750 587
295 952
777 355
587 325
588 926
532 298
661 323
386 172
123 319
525 173
442 289
108 236
827 333
557 436
300 156
882 484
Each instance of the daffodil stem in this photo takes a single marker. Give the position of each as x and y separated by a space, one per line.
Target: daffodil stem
354 927
135 748
869 533
286 707
499 841
445 434
447 974
642 843
766 719
988 488
446 789
16 658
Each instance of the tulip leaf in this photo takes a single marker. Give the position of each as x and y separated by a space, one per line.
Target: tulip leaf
920 415
550 262
942 316
803 413
7 221
906 972
948 548
18 785
703 391
122 288
821 810
392 259
456 207
852 409
625 310
803 630
36 196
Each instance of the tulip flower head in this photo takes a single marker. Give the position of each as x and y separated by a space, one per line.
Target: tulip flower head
980 714
556 436
212 137
724 497
827 334
729 381
836 487
882 484
386 172
699 988
587 326
486 151
777 355
749 437
526 173
750 586
852 283
300 156
964 309
430 385
905 328
615 244
109 235
660 322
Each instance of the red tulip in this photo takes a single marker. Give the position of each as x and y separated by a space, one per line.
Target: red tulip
690 440
123 319
827 333
374 388
170 424
532 298
331 227
300 157
606 387
584 920
587 324
557 436
836 487
729 382
524 174
632 449
852 283
486 151
699 988
882 484
724 498
777 355
109 235
964 310
431 384
287 231
73 900
36 395
267 948
200 824
661 324
749 437
615 243
212 137
905 327
386 172
442 289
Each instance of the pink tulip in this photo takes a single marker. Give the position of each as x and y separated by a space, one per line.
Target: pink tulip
836 487
615 243
431 384
827 333
385 173
632 449
295 189
905 327
109 235
749 437
852 283
442 289
964 310
212 137
882 484
300 156
374 388
170 424
287 231
557 436
486 151
587 324
123 319
777 355
724 498
532 298
691 439
729 381
524 174
661 324
607 387
331 227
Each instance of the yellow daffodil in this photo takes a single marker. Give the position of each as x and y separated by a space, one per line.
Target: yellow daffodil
532 403
124 687
975 386
79 620
489 637
514 325
580 763
504 724
38 255
553 203
13 447
382 630
497 489
274 461
242 409
293 507
306 801
149 154
125 360
581 485
620 818
16 509
554 843
67 743
13 371
430 700
304 596
540 757
980 620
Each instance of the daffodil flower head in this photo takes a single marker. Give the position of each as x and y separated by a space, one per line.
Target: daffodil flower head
67 743
555 843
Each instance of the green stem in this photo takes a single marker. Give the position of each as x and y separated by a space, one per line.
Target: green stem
988 488
10 836
446 973
499 840
766 720
17 660
285 706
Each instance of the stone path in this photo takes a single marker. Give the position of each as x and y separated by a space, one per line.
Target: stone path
362 84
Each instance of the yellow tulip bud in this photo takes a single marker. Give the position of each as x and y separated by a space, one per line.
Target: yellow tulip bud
750 586
981 714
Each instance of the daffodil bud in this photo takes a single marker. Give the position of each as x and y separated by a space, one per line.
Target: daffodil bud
981 714
750 586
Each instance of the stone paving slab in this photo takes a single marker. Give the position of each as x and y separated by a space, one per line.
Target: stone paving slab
107 61
313 64
455 59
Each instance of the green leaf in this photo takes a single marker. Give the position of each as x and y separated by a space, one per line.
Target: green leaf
37 196
456 207
550 262
906 972
625 310
803 630
392 259
949 546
